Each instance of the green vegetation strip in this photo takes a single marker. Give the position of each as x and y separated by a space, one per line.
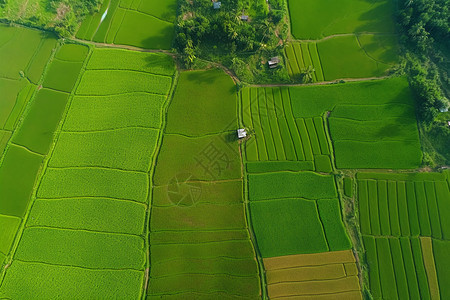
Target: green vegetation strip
85 283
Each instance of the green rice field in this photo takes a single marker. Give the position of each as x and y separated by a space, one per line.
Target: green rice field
122 22
343 57
123 174
317 19
402 219
382 134
349 39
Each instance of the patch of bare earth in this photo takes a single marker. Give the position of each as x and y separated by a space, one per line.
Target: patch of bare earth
187 16
23 9
61 11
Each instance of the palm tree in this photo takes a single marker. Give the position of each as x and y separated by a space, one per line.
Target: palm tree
308 74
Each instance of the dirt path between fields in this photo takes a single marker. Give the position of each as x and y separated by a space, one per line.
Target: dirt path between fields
341 34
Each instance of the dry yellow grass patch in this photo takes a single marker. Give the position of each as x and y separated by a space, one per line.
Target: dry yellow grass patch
328 275
430 267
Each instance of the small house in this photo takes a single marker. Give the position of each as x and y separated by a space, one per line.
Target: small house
273 62
244 18
241 133
217 5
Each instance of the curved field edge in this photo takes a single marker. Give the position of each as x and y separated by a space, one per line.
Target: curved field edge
43 166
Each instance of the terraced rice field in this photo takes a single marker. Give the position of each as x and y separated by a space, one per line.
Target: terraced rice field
122 22
124 178
327 275
199 240
402 218
25 134
103 236
280 137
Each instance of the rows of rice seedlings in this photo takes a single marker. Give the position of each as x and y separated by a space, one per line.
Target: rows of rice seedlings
304 62
442 260
28 141
397 268
430 266
411 207
333 275
120 21
277 135
393 210
301 205
199 240
88 216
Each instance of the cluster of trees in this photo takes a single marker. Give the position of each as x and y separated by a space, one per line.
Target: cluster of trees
70 13
425 36
60 16
220 35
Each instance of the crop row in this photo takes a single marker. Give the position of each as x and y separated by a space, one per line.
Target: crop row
37 280
111 82
74 247
303 60
399 208
89 213
156 63
442 261
313 275
397 269
108 149
278 135
88 113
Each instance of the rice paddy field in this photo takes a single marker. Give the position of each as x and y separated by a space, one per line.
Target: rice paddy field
145 24
122 174
335 41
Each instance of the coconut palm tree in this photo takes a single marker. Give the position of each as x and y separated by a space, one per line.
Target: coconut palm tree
308 74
